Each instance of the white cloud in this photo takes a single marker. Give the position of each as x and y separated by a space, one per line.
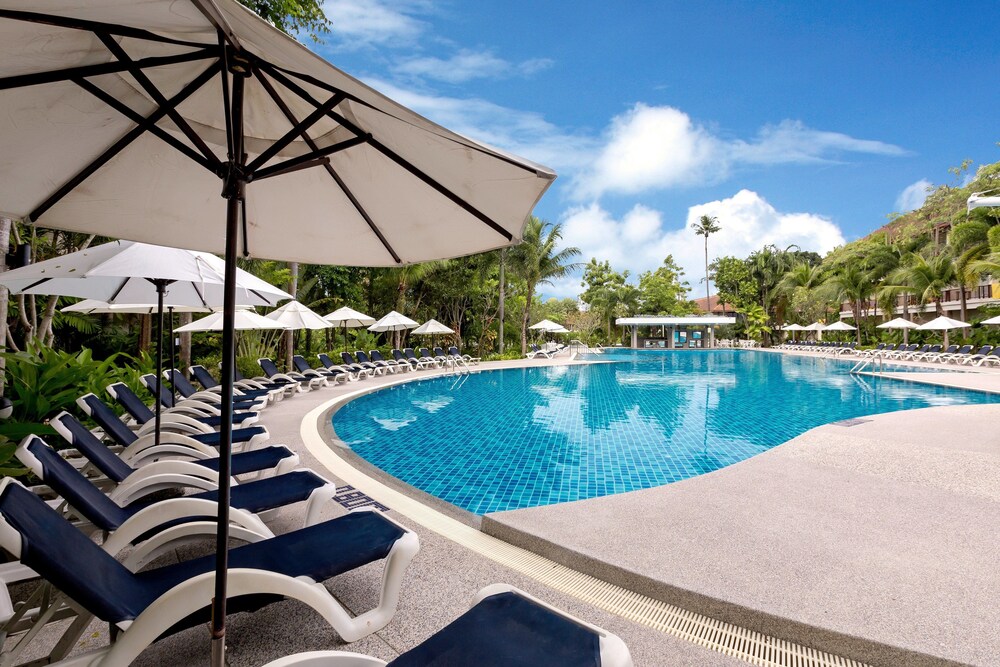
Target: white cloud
660 147
357 23
467 65
639 240
524 133
912 197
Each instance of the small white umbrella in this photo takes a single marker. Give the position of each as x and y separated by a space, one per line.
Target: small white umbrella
900 323
244 320
817 327
432 328
293 315
992 320
96 307
793 327
943 324
394 321
545 325
349 319
839 325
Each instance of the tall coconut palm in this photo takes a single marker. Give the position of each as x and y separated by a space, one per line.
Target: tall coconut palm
853 284
537 261
706 226
927 277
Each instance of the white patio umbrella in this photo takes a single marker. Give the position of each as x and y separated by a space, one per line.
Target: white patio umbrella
348 318
216 100
293 315
839 325
126 272
545 325
992 320
818 327
943 323
393 321
793 328
244 320
982 200
432 328
900 323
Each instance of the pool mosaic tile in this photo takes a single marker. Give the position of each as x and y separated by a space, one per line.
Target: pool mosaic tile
536 436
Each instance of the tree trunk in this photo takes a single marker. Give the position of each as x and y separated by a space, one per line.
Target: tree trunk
857 320
289 336
184 350
502 297
5 225
708 306
145 332
961 292
527 318
48 315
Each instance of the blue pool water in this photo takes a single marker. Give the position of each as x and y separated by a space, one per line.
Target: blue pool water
502 440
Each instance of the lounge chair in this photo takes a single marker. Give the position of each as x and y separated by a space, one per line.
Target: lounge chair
980 354
439 358
351 362
183 413
353 367
535 351
192 458
401 365
415 361
181 385
955 355
505 626
363 359
138 449
903 350
991 359
333 375
467 358
449 358
141 607
304 382
930 354
248 388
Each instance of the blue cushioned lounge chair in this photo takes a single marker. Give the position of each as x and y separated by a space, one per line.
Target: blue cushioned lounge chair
505 627
333 375
467 358
142 607
139 449
351 362
305 382
181 413
363 359
181 385
980 354
246 388
357 371
403 365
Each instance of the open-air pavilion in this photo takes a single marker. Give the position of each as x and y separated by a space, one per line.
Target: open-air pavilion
673 332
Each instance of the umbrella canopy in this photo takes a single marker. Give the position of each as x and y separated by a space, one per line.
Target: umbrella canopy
432 327
980 200
839 325
130 120
348 317
545 325
793 327
244 320
992 320
126 272
559 329
338 145
95 307
393 321
943 323
898 323
293 315
815 326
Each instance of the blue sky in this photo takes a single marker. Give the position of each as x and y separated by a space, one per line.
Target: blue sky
796 122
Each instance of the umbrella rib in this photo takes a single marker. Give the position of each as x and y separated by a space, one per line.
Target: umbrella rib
392 155
154 92
468 144
92 26
125 140
269 88
216 18
313 159
72 73
137 118
300 127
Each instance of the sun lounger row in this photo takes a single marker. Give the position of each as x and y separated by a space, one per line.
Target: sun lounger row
535 351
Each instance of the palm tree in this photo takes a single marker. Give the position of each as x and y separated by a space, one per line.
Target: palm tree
706 226
537 262
927 277
405 276
855 285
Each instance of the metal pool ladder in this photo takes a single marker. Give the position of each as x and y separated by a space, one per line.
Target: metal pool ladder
870 361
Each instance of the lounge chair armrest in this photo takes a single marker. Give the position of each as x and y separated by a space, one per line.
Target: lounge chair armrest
149 440
130 491
327 659
175 422
170 510
195 408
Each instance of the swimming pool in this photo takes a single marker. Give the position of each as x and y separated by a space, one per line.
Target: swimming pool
508 439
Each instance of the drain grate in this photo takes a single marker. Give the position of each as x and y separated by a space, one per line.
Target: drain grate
731 640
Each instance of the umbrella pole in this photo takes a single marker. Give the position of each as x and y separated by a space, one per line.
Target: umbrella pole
233 190
161 286
173 352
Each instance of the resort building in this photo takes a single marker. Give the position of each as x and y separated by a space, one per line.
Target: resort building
713 306
664 331
987 292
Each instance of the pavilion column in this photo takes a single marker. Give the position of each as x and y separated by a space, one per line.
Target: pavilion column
711 336
635 336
